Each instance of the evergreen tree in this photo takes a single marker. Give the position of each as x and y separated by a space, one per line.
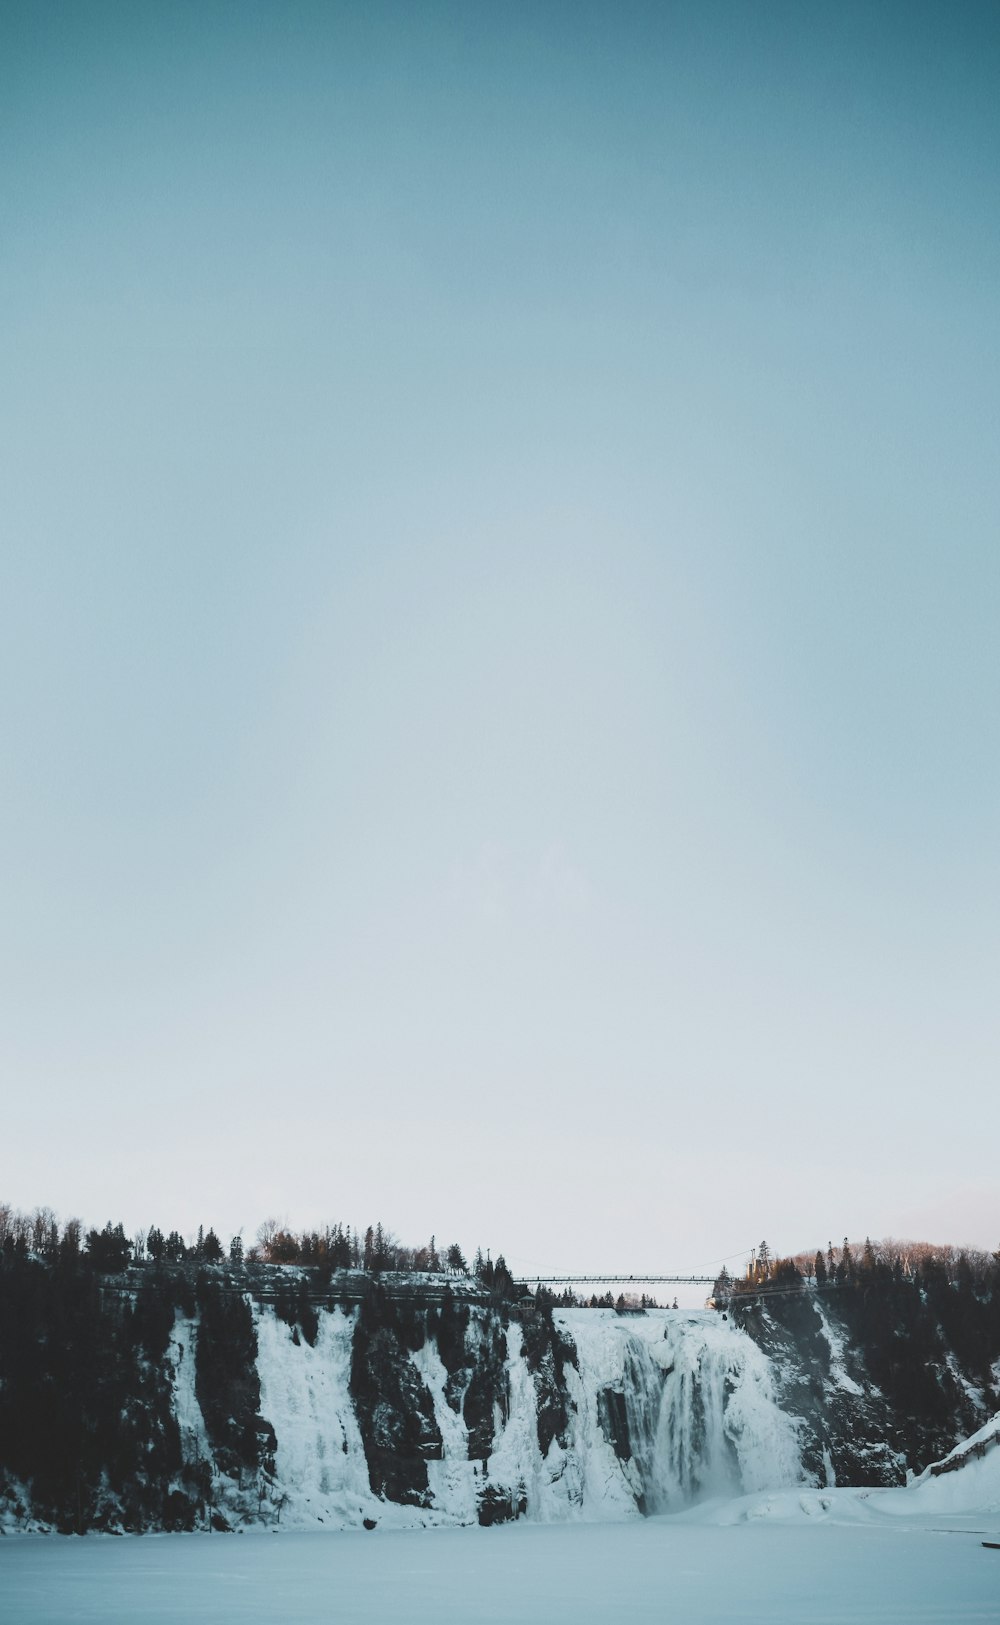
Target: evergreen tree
382 1249
174 1250
69 1246
723 1284
503 1281
211 1248
110 1248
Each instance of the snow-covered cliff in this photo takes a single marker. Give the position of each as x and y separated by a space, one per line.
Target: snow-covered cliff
215 1404
658 1409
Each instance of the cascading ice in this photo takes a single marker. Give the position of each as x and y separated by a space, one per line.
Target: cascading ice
662 1409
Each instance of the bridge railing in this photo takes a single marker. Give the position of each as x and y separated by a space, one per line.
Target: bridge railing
633 1278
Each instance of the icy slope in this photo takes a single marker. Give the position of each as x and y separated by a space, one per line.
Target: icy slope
960 1493
968 1479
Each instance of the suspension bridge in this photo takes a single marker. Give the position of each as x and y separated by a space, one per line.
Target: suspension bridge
629 1278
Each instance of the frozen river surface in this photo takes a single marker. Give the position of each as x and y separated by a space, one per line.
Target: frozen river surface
662 1569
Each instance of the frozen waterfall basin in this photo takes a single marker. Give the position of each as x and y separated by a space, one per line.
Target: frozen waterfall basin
768 1567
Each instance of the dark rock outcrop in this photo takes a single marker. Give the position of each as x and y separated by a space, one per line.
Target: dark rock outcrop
394 1408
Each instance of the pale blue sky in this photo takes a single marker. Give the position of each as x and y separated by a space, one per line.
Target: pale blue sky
499 671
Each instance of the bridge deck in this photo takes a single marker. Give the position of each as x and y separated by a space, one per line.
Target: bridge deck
633 1277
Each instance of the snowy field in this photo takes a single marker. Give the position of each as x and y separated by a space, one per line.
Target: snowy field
768 1560
783 1556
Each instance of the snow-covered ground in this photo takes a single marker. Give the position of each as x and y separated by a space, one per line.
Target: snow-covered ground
779 1571
776 1556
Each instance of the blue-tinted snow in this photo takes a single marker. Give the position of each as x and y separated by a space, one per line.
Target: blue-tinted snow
662 1569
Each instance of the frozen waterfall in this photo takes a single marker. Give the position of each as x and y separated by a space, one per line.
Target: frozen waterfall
662 1409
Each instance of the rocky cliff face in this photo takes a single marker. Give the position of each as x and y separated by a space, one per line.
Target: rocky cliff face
203 1405
883 1377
